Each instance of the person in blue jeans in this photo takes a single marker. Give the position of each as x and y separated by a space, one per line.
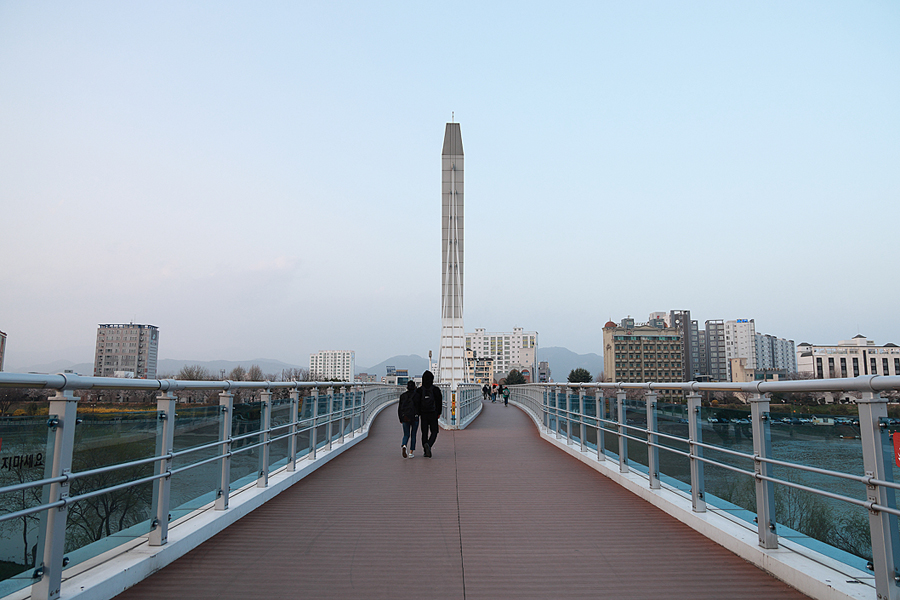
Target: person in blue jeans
406 410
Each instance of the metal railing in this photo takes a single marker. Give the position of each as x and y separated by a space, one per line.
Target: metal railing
319 413
460 406
577 413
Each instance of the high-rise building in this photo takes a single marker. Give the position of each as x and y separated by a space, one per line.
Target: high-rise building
775 353
849 358
690 334
509 350
716 364
2 348
642 353
452 354
332 364
126 350
740 342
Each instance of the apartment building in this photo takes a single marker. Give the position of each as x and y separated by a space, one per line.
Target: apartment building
775 353
643 353
332 364
126 350
508 350
740 342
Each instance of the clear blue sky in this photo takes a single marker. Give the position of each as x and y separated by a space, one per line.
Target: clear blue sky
263 179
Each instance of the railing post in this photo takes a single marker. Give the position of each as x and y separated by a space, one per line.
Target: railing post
581 418
554 406
329 394
545 405
226 404
62 417
623 441
292 440
695 436
353 391
314 431
601 428
265 424
765 490
165 443
877 461
652 439
343 411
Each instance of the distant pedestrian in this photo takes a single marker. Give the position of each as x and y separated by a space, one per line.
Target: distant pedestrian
494 393
409 418
429 406
485 390
505 396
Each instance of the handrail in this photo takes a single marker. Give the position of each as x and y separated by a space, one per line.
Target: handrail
335 409
559 410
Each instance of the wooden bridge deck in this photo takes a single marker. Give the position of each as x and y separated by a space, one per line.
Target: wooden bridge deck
496 513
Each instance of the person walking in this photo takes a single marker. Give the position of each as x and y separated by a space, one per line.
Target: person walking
485 390
493 393
429 406
505 395
409 418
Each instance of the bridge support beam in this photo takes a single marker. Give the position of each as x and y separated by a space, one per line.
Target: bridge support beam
877 459
695 436
165 443
765 490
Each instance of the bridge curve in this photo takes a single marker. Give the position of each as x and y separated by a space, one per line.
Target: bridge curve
496 513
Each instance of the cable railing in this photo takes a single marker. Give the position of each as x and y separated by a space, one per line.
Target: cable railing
665 444
110 478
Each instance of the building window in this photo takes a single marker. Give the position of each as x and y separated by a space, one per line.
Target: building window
855 367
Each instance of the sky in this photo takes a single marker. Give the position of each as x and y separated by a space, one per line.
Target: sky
262 180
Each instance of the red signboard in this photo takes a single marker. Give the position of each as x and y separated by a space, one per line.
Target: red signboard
896 439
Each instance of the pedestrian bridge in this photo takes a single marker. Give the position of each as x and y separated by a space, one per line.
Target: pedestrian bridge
559 495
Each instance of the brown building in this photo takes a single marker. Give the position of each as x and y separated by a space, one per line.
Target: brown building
643 353
127 350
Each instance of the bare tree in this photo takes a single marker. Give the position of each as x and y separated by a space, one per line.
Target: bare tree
254 373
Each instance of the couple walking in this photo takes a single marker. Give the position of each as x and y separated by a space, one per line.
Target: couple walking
423 403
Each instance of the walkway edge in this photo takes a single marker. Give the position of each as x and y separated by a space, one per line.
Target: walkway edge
814 574
116 570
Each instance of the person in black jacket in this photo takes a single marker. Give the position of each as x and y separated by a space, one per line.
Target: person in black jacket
429 406
409 418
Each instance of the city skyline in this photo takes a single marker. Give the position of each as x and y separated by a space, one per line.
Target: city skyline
212 172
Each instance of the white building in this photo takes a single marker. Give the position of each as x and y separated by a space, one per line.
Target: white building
849 358
740 342
126 350
332 364
509 350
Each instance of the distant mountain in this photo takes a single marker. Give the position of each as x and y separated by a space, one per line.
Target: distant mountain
58 366
415 364
563 361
